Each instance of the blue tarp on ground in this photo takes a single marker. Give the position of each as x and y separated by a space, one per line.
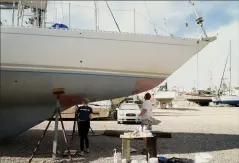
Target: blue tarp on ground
57 25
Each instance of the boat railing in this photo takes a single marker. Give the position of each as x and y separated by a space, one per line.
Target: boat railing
96 31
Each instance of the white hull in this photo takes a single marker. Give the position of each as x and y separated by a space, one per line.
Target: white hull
96 65
94 52
166 96
16 119
227 99
193 97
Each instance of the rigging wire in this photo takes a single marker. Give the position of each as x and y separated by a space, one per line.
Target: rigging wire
150 17
113 16
150 21
153 23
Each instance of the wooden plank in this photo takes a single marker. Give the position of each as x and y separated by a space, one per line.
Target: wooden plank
133 137
120 132
126 149
114 132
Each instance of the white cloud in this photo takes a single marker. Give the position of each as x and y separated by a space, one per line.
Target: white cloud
234 10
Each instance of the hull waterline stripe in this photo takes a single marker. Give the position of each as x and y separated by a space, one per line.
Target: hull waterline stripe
76 69
73 73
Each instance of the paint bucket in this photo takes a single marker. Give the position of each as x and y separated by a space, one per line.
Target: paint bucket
144 161
153 160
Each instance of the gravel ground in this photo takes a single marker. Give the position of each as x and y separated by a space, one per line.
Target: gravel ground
213 130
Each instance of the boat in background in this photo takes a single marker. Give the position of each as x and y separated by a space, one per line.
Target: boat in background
101 109
232 100
164 96
229 97
201 97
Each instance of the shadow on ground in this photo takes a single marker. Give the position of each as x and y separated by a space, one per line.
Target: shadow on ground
102 146
173 115
183 109
154 122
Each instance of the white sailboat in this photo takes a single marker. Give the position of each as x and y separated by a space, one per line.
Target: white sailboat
164 96
97 65
228 97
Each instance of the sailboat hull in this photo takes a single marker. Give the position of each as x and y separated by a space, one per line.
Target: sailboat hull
25 87
199 99
17 119
96 65
27 99
229 100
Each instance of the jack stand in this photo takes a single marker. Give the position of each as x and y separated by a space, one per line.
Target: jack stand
74 127
57 92
92 131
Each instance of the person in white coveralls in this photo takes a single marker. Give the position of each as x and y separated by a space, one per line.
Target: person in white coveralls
146 115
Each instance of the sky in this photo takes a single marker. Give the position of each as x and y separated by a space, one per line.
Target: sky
221 18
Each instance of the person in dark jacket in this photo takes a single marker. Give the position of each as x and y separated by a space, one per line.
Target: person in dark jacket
84 115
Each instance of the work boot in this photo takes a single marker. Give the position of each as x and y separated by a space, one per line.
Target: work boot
87 150
81 153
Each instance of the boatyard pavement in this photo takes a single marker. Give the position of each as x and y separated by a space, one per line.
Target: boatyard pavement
210 130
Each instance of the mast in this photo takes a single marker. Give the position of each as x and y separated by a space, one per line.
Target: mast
38 24
165 26
210 75
223 74
199 20
197 71
211 81
230 67
18 12
134 20
44 16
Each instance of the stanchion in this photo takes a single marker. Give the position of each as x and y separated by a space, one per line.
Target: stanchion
57 113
